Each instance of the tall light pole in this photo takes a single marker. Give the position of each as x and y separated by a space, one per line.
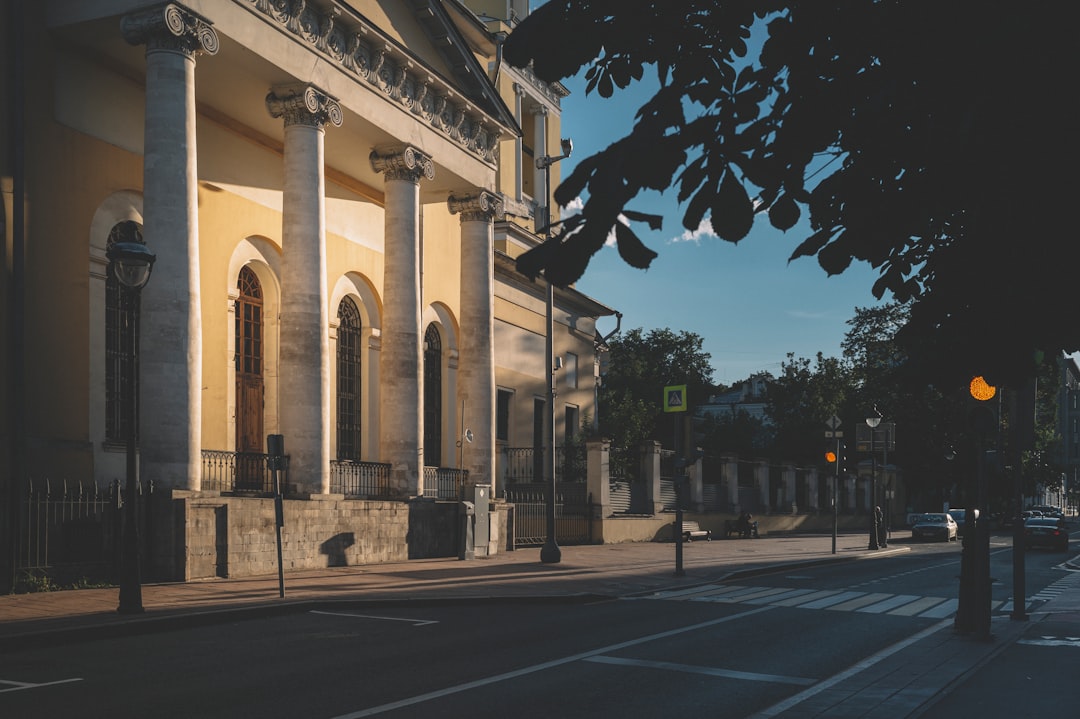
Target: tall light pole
131 264
550 552
872 423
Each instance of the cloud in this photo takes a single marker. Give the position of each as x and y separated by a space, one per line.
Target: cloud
704 230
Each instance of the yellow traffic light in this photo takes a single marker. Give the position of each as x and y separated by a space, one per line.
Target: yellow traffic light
830 457
980 390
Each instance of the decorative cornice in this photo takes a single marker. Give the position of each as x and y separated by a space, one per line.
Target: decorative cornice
303 105
482 207
170 27
553 91
344 38
403 163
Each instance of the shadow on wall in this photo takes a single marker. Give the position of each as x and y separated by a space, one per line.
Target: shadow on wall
334 549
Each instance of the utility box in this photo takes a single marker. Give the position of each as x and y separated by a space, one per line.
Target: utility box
482 524
468 520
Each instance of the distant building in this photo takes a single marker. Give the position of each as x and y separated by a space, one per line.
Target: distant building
748 396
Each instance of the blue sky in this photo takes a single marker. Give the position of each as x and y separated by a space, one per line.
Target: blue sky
746 301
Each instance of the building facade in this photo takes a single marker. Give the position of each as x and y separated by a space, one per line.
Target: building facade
335 193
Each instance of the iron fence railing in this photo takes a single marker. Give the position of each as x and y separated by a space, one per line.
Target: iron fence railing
573 514
368 480
72 530
245 472
526 464
445 482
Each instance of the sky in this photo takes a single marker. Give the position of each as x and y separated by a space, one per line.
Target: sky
750 306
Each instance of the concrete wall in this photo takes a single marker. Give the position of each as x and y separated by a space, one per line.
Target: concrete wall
204 535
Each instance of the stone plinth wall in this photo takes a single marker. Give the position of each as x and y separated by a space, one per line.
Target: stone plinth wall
199 535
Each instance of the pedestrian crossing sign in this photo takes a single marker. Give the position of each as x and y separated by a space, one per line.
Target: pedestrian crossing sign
675 398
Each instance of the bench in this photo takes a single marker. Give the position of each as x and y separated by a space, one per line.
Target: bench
693 529
732 528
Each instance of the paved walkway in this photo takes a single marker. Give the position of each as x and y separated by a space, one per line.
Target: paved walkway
900 684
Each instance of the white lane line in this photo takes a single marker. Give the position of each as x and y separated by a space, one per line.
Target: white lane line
709 671
945 609
20 686
414 622
794 700
544 666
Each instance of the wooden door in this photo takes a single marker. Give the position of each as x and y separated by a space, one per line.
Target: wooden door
250 464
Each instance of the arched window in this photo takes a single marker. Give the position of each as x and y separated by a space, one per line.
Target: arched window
348 381
432 397
249 365
117 340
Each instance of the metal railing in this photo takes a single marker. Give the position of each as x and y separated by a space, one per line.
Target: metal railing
445 482
244 472
526 464
368 480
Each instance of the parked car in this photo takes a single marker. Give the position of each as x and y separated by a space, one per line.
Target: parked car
1048 511
1046 532
938 526
958 516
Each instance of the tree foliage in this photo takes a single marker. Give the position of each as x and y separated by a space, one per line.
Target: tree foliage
933 143
801 400
640 366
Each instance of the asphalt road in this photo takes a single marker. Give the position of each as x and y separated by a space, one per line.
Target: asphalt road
734 649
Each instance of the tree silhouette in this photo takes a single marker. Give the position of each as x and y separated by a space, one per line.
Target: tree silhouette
932 141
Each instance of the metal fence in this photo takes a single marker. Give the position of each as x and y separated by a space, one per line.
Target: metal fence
72 530
526 464
367 480
226 471
445 482
573 514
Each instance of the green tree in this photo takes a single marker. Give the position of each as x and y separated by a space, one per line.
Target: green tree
800 401
641 365
935 146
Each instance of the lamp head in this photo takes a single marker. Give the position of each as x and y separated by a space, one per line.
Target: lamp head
567 146
131 263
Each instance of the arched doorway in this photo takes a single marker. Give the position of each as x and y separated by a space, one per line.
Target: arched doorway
250 385
348 381
432 397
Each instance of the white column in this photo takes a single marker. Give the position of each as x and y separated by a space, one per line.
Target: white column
542 194
519 157
476 368
401 411
171 322
304 389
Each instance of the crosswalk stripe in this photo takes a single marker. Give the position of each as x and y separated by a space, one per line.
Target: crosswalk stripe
858 603
892 603
836 598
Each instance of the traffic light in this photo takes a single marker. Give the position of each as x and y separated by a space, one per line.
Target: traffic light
982 413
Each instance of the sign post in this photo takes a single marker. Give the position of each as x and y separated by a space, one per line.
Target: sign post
834 457
675 401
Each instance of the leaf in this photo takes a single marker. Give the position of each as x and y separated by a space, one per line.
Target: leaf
784 213
631 249
732 211
656 222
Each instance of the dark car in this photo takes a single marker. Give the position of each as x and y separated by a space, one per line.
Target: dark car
1046 532
937 526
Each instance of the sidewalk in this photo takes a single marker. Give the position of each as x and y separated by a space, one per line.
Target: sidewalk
903 682
609 571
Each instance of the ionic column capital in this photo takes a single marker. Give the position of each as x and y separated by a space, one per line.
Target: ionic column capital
483 206
170 27
404 163
303 105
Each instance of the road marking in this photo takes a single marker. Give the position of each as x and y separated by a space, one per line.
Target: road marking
544 666
781 707
20 686
1052 642
708 671
414 622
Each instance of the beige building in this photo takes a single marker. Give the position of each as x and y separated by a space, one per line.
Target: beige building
335 192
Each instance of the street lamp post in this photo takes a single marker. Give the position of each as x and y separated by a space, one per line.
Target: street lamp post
550 552
131 264
873 422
